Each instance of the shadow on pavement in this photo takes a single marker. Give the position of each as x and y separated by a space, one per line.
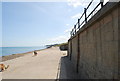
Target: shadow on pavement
66 69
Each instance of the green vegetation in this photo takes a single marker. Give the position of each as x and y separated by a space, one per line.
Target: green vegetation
61 44
57 45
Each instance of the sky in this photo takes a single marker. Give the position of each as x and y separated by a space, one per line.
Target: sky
38 23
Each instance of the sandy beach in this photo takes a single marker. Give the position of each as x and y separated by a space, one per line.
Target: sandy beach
43 66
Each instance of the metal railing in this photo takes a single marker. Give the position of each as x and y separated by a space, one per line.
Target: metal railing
80 23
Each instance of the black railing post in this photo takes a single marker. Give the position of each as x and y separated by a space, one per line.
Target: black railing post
101 2
78 23
85 10
75 28
71 33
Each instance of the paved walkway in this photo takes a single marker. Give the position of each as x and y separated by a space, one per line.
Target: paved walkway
43 66
48 64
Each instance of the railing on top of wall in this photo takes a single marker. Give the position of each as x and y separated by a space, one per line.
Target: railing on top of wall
79 24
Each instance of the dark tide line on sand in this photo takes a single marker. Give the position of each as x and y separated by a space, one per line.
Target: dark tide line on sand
13 56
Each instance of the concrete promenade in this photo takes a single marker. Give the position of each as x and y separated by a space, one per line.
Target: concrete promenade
43 66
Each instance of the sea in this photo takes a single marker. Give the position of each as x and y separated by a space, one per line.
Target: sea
5 51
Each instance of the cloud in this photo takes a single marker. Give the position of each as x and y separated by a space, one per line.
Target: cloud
76 3
84 3
59 39
67 24
68 30
78 15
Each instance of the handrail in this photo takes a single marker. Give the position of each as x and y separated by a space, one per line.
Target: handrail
74 30
89 4
93 10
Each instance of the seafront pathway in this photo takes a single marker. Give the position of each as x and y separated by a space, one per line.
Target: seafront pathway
43 66
48 64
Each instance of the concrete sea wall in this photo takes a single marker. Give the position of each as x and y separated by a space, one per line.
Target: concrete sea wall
95 49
